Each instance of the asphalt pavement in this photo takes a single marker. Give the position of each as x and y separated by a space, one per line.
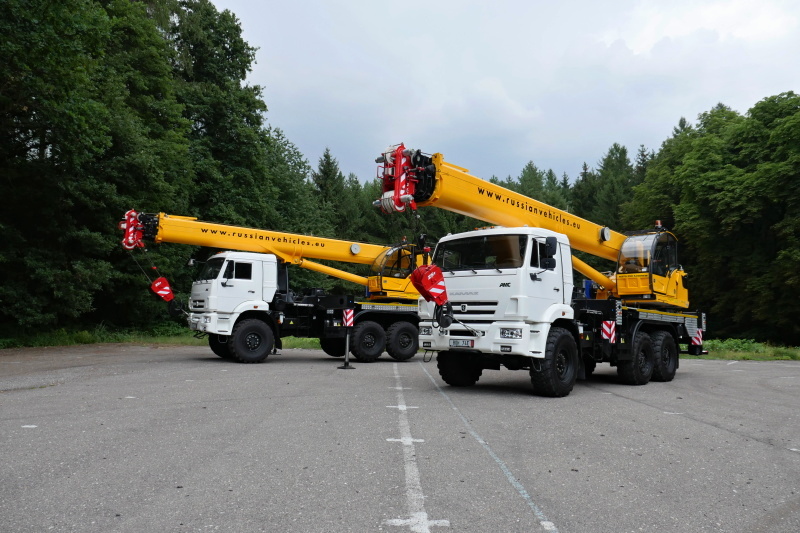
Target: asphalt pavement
130 438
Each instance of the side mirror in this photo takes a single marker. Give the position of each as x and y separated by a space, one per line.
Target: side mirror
550 248
548 263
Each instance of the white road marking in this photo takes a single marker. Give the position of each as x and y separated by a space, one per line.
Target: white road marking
732 363
30 426
402 407
417 521
668 413
407 441
546 524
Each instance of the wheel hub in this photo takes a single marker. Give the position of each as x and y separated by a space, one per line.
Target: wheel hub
252 341
561 364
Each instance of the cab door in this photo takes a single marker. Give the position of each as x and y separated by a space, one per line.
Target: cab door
547 272
239 282
664 261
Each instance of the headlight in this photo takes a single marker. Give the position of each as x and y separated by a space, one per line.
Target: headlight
510 333
426 330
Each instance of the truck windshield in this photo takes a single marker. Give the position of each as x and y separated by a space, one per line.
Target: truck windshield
212 269
481 253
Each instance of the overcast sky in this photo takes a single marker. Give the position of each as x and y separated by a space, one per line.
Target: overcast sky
493 84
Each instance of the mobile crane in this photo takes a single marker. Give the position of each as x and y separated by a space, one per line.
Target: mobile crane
242 299
509 297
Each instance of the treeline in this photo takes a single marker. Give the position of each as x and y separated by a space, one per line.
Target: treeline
112 105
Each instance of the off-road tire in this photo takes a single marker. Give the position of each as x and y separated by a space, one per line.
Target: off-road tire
666 356
367 341
333 347
402 341
639 370
251 341
218 346
555 375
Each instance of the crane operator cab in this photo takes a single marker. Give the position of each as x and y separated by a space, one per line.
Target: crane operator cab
392 269
648 270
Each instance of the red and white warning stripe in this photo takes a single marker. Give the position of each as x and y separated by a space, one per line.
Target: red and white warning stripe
437 289
348 318
610 331
697 340
429 281
161 287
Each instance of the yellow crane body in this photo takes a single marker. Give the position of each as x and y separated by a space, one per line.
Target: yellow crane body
415 179
388 262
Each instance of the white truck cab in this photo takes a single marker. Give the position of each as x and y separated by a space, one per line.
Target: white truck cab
507 287
230 284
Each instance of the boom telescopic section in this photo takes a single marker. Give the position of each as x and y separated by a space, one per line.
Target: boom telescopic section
391 265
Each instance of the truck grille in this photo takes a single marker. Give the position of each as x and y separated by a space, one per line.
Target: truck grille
475 312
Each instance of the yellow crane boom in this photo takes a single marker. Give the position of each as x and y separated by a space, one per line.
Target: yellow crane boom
392 264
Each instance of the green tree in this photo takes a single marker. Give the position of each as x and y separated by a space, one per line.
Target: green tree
90 126
584 192
615 183
146 165
531 182
566 188
730 185
228 141
293 199
330 192
51 124
643 159
553 192
656 197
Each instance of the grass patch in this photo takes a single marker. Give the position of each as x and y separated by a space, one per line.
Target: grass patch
747 350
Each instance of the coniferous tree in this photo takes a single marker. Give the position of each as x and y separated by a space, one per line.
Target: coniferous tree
553 191
330 186
531 181
643 159
584 192
566 188
615 181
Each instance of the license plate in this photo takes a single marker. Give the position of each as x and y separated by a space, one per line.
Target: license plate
462 343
